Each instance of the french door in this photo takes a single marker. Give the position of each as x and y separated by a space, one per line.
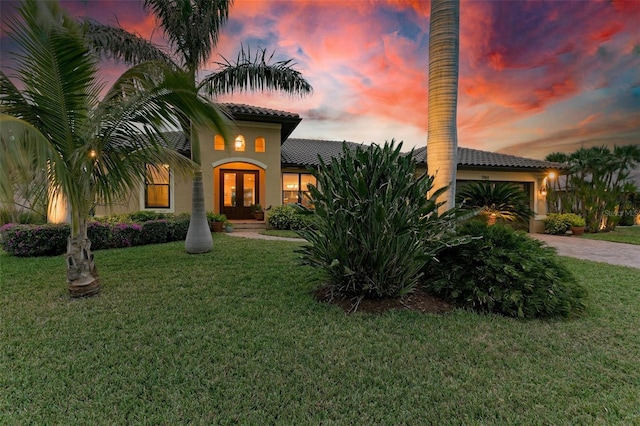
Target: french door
239 190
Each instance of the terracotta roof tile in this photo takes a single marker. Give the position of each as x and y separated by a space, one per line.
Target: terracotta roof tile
243 109
304 152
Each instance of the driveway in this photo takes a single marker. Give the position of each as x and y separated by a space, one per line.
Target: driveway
598 251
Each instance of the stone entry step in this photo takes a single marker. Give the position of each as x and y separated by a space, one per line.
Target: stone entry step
248 225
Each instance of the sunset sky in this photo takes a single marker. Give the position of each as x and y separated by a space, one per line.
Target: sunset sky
535 76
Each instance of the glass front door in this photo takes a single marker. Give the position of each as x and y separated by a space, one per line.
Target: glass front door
239 190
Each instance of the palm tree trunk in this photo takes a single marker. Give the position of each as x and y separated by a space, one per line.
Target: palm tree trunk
199 238
442 144
82 276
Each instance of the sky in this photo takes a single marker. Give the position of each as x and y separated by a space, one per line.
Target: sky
535 76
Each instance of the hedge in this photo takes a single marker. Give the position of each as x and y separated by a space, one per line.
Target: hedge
51 240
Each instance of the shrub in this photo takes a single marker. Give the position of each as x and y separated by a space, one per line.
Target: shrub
507 272
554 224
178 227
559 223
126 235
291 217
375 227
216 217
155 231
281 217
113 219
145 216
99 234
32 240
503 201
51 240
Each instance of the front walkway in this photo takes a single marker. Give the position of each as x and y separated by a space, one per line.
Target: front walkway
247 233
581 248
597 251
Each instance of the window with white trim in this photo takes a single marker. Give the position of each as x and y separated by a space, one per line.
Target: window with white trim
157 187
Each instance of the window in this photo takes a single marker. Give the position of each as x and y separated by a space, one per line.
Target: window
239 143
260 144
218 143
157 187
294 188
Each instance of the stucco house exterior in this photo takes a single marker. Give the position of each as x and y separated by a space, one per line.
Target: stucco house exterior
263 165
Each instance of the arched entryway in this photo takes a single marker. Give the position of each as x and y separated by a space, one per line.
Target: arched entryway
237 186
240 189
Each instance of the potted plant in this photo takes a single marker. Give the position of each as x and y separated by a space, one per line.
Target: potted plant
257 211
216 221
576 223
228 226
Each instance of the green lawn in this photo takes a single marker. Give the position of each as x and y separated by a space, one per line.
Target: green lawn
234 336
622 234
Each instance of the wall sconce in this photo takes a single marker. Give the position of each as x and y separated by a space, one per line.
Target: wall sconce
543 191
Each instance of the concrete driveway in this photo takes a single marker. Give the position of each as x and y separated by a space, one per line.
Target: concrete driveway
598 251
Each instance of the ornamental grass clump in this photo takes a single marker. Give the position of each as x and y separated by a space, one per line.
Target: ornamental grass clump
506 272
374 226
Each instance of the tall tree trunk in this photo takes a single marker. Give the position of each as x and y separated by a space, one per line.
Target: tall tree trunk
82 276
442 143
199 238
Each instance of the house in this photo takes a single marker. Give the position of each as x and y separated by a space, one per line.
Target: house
263 165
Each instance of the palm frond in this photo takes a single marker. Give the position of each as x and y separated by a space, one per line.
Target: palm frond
24 154
191 26
255 72
12 101
119 44
505 200
58 74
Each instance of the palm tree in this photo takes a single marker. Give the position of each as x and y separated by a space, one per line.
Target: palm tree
90 149
442 143
504 201
192 28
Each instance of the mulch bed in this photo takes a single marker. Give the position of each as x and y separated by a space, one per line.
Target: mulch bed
419 301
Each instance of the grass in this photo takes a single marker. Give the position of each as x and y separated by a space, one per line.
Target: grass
622 234
234 336
280 233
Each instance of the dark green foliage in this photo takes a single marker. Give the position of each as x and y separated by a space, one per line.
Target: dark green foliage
559 223
146 215
126 235
504 201
375 226
216 217
507 272
596 185
290 217
155 231
178 228
30 240
51 240
99 234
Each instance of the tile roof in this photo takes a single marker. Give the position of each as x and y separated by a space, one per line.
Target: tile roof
178 141
304 152
242 112
478 158
243 109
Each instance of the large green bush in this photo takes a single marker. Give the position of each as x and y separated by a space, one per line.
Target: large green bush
375 228
495 201
507 272
559 223
290 217
51 240
34 240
